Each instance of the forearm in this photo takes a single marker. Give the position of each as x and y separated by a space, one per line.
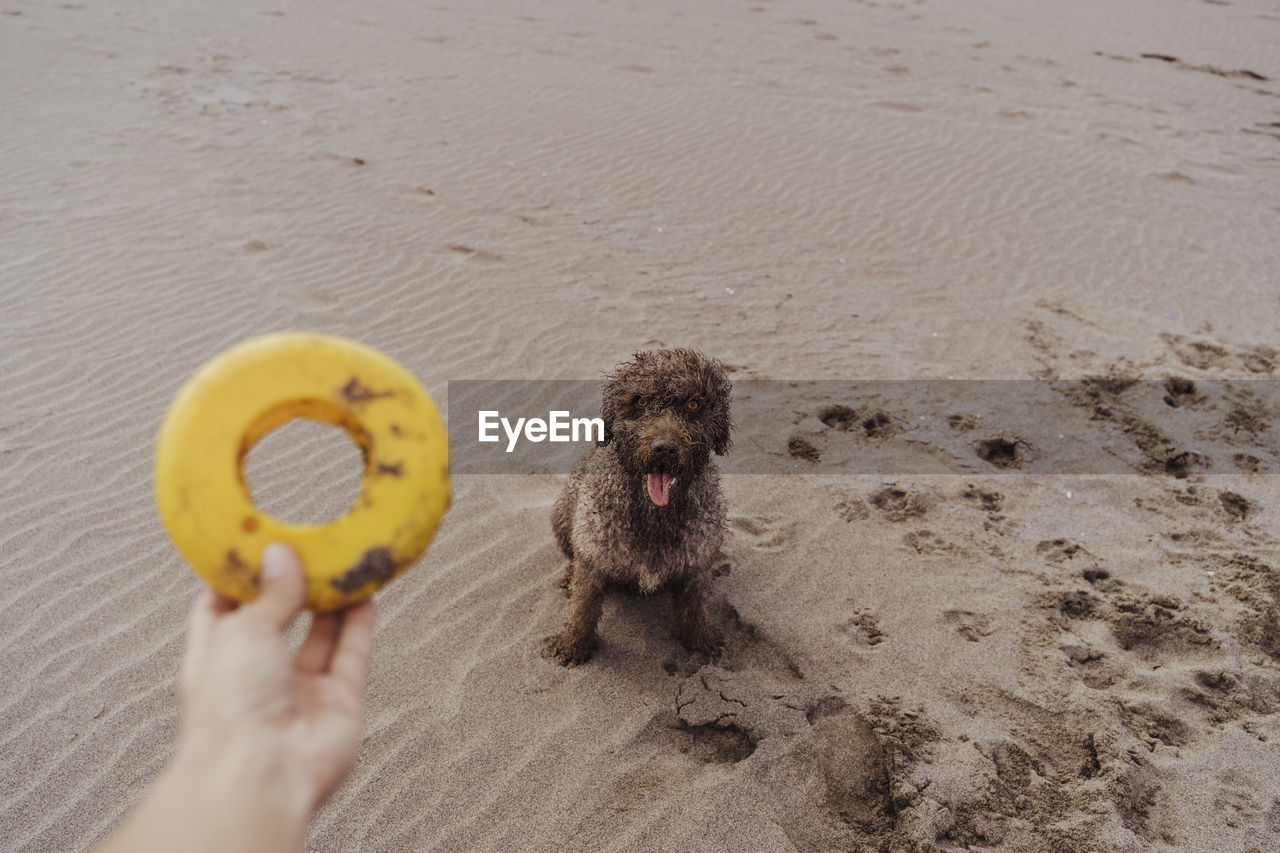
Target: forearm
216 799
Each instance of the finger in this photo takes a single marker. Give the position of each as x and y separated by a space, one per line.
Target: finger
199 628
222 604
209 606
283 590
200 622
316 650
349 664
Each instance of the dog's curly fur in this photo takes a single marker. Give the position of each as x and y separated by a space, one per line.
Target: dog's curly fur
665 412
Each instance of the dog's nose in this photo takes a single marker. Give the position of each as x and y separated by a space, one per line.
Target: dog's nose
666 448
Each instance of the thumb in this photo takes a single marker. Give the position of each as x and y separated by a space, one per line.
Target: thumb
284 588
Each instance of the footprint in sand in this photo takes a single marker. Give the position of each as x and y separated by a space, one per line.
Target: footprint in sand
880 425
1247 462
1180 391
1234 505
799 447
877 424
1155 627
862 629
987 500
900 504
839 417
928 542
968 624
1208 355
1255 584
761 533
1062 550
1004 453
851 509
1092 665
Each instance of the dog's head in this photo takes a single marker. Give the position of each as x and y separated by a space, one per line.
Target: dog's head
667 411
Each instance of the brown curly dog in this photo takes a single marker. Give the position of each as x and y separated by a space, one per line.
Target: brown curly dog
644 508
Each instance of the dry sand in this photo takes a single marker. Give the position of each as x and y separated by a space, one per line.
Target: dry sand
805 188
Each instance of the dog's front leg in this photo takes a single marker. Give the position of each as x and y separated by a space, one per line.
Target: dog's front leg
577 639
693 622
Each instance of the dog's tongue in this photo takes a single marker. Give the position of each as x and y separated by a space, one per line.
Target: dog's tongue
660 488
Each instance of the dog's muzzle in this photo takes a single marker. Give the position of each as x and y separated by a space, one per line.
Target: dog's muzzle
666 456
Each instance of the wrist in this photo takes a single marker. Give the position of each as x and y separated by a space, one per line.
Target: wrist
211 800
244 789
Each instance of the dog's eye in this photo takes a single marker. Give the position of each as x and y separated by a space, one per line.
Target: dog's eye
642 402
692 405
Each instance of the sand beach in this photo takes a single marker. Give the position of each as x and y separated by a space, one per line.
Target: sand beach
988 656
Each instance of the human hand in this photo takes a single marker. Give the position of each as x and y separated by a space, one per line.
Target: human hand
242 693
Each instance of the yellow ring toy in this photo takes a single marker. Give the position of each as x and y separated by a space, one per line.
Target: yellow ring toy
249 390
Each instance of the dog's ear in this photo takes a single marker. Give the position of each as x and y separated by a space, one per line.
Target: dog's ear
606 415
616 395
609 407
722 420
721 424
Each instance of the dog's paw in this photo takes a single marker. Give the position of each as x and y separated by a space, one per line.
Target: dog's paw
702 637
568 650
